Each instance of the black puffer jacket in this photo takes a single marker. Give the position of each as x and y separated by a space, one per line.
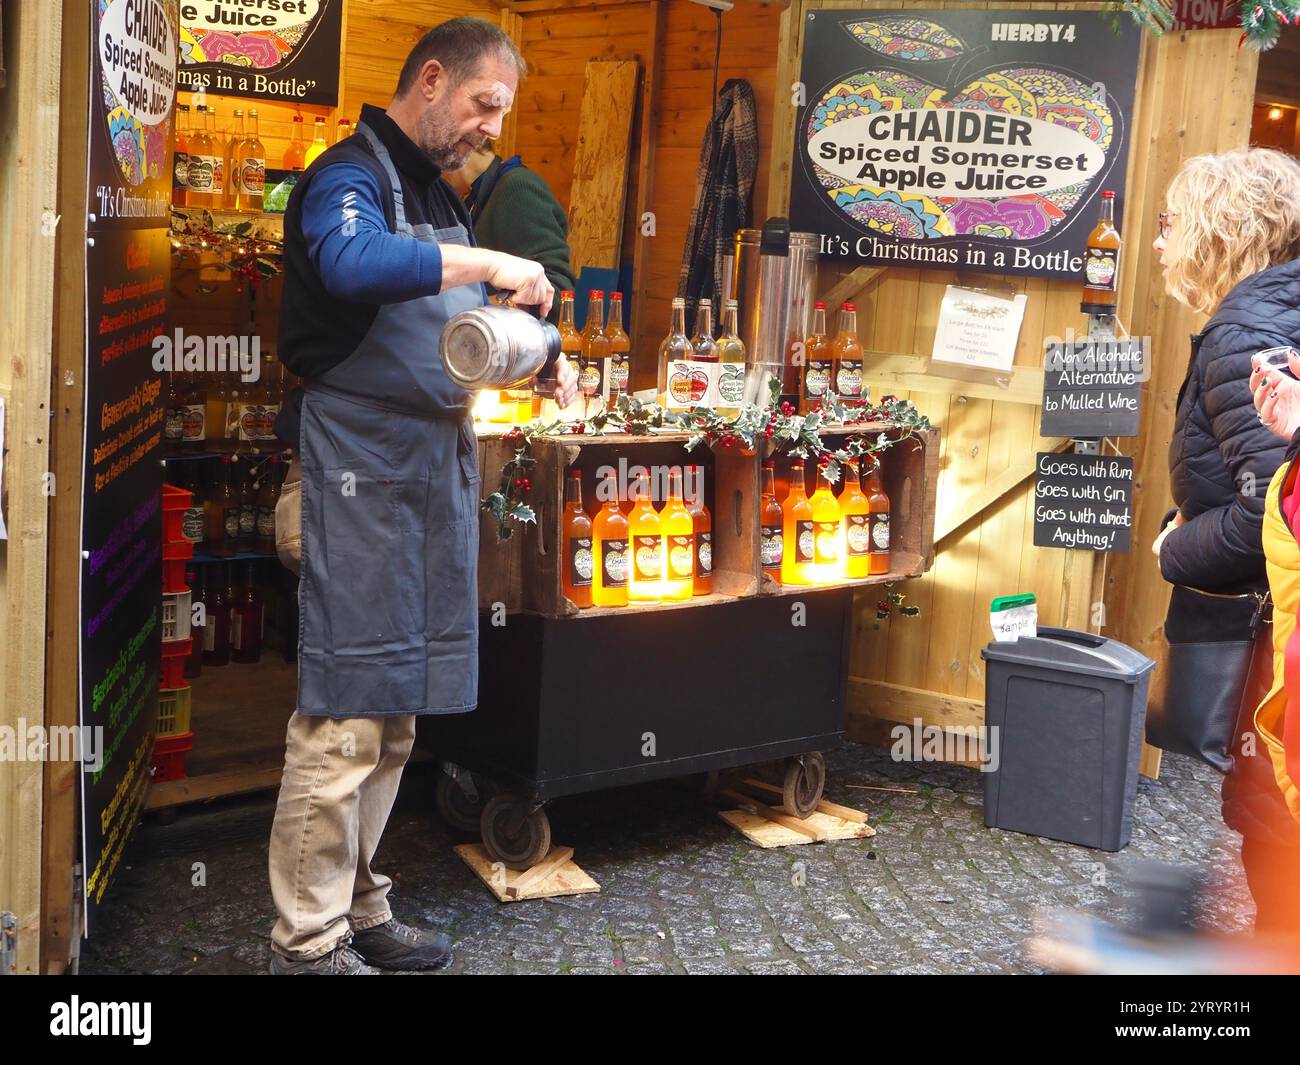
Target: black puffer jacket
1221 458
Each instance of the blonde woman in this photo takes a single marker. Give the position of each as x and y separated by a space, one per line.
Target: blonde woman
1229 244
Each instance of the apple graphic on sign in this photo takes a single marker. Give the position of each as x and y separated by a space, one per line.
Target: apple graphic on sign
953 138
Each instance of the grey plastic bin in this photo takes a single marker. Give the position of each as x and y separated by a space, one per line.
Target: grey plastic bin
1069 709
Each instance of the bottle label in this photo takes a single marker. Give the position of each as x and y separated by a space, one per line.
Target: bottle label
266 523
231 523
828 541
174 425
218 173
236 630
857 534
879 533
731 385
681 556
688 384
647 554
614 557
256 421
200 172
848 381
1102 268
210 634
193 423
704 552
580 562
590 375
618 373
804 541
817 379
247 519
192 524
252 175
771 546
181 170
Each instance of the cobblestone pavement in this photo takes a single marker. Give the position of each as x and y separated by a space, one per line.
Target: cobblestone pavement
933 892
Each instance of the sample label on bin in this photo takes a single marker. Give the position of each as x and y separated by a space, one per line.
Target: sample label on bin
1083 501
614 560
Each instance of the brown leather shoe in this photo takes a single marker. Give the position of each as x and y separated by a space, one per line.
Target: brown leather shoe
393 945
341 961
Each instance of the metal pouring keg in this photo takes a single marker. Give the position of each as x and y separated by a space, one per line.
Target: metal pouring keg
498 346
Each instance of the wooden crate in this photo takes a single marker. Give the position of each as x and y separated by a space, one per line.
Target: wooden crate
911 474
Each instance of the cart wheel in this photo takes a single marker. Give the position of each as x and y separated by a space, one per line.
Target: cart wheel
805 777
455 807
512 835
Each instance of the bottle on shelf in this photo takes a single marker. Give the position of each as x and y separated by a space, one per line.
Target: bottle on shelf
618 381
702 522
230 161
246 619
295 156
194 660
797 535
248 180
181 156
344 130
318 141
576 568
646 533
268 494
273 399
193 412
1101 262
194 519
593 370
174 422
771 522
879 503
681 384
214 411
236 400
731 364
704 351
571 349
247 509
216 601
819 361
678 528
221 510
220 142
610 544
847 352
827 530
855 512
200 172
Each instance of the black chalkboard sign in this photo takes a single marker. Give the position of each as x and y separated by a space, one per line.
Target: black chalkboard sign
1083 501
1092 388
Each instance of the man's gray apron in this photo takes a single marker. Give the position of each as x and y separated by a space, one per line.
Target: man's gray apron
390 494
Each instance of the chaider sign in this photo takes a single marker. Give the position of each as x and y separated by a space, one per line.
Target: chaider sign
262 49
128 278
962 139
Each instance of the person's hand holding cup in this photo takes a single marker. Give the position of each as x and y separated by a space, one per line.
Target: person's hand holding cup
1276 390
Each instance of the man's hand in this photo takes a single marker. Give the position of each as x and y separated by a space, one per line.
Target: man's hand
1159 540
566 382
1277 397
522 277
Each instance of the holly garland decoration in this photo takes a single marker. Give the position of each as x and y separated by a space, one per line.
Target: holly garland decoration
1155 16
797 435
1262 21
894 600
251 258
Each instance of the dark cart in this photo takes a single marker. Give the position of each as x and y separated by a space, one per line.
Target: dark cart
574 705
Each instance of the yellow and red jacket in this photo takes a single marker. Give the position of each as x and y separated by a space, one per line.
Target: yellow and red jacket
1278 716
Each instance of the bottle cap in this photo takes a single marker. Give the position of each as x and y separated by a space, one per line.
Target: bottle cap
848 306
566 294
616 295
769 465
596 294
819 305
297 118
1107 195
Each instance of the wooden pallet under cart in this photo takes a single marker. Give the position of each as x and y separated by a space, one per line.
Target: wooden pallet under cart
556 874
772 826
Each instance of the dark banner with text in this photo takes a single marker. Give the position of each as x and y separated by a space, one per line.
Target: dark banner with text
263 49
961 139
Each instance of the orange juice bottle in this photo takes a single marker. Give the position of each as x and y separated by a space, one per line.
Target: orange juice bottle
799 552
819 361
879 520
679 541
826 530
575 578
609 533
855 511
703 521
620 347
848 357
646 533
770 518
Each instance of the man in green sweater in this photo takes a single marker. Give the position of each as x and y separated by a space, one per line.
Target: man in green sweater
514 211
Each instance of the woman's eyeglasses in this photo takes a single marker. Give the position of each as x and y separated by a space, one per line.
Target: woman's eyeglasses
1166 226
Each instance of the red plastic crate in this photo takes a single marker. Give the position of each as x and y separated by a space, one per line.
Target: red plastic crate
175 501
173 580
174 653
169 756
178 550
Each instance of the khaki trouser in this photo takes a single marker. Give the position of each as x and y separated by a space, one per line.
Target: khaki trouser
340 780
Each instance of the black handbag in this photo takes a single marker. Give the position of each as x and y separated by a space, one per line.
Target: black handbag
1196 697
